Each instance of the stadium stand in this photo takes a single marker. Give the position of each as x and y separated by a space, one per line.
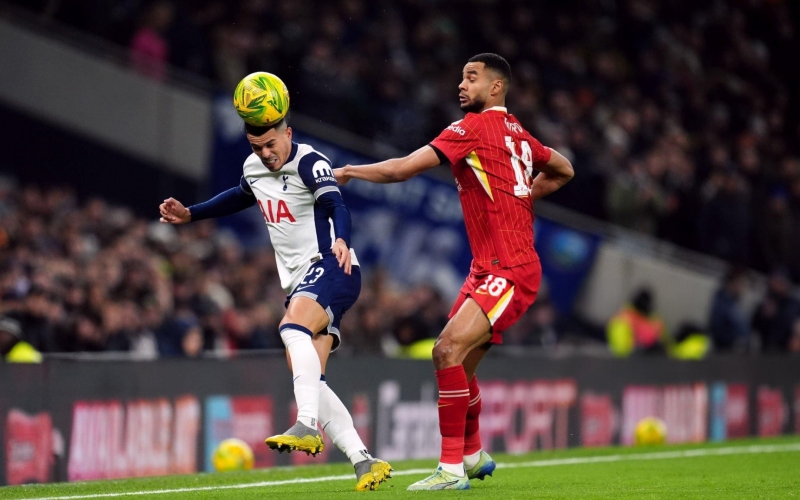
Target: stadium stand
682 119
96 278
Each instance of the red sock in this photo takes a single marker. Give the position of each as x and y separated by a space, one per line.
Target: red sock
453 404
472 435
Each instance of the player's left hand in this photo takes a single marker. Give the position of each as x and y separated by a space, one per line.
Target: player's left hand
342 254
173 212
340 176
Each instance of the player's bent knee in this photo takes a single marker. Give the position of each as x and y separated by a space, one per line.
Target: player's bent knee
306 312
447 353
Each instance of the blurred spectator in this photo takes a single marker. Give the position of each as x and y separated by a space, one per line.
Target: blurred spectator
776 316
634 200
12 348
539 326
794 341
413 338
776 234
724 221
727 324
149 50
637 328
180 337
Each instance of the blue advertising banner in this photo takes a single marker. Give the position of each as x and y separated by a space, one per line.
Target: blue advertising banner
567 257
218 426
414 229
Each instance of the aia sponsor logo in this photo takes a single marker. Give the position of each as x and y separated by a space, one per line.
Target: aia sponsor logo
276 213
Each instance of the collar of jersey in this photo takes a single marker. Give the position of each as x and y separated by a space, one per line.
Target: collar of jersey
502 109
293 153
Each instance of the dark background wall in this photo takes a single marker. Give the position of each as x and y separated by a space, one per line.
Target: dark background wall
41 153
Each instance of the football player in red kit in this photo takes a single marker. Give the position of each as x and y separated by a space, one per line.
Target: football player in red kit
493 159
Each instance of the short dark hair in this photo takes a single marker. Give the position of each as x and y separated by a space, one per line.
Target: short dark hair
259 131
494 62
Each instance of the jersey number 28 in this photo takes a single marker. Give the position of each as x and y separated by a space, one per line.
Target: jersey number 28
522 165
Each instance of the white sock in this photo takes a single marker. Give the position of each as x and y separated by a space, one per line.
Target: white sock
306 371
471 461
457 469
338 425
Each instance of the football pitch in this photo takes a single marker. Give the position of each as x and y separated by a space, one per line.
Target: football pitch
739 469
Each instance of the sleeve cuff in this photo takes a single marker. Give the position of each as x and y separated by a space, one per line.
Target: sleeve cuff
548 154
326 189
245 186
443 160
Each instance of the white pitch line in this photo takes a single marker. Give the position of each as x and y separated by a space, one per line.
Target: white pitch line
664 455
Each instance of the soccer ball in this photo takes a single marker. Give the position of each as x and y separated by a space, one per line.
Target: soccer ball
650 431
261 99
232 454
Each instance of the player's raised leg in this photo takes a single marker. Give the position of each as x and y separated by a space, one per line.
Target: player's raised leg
336 421
303 317
338 424
468 329
478 463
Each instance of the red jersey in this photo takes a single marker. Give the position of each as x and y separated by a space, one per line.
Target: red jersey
493 158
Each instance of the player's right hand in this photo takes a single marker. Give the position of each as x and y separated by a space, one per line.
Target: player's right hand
173 212
343 255
340 176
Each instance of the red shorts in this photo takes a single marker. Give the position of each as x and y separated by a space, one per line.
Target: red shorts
503 295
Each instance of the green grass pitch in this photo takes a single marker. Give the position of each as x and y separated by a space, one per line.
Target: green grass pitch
739 469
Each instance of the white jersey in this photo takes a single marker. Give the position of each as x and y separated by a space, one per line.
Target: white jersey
299 227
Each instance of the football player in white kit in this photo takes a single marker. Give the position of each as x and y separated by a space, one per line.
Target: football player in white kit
309 226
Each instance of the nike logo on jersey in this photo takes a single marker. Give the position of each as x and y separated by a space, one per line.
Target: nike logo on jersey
253 181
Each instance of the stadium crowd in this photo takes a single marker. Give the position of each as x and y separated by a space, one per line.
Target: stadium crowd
96 278
681 117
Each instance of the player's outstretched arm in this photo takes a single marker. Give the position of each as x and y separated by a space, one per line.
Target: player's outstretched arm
394 170
552 175
226 203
